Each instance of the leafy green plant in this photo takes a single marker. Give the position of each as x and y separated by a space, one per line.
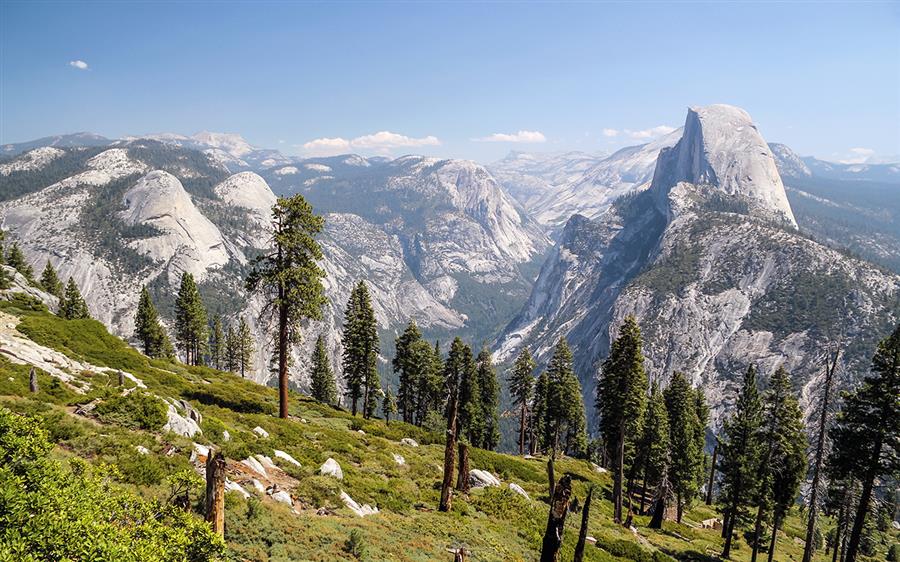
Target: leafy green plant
136 410
356 545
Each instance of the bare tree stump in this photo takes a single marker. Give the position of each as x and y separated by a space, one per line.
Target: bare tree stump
32 381
582 533
556 521
215 492
121 378
461 555
462 478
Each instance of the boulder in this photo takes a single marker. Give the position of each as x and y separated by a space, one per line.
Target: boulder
519 490
399 459
331 468
261 432
286 457
267 462
283 497
598 468
361 510
226 437
235 487
199 451
142 450
253 464
258 486
178 424
482 479
409 442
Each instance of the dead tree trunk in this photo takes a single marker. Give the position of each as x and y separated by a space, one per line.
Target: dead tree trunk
449 458
461 555
32 381
121 378
712 474
582 533
550 476
462 478
820 453
618 476
556 521
659 502
215 492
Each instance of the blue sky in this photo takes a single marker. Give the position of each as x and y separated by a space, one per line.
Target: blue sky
451 79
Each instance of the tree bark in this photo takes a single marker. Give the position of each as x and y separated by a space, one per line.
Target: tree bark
582 533
462 478
757 530
121 378
550 476
461 555
863 507
449 458
33 381
679 507
659 504
556 521
522 428
775 524
820 453
215 492
617 475
712 474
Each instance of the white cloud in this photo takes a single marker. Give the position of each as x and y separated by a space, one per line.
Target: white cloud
79 64
610 133
521 136
388 140
858 156
381 142
650 133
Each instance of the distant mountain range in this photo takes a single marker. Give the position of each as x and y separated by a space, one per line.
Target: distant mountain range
727 254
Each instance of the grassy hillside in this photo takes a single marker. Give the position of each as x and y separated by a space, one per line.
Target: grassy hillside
492 523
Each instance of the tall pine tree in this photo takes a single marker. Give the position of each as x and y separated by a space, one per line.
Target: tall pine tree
322 384
740 455
784 437
244 347
217 343
621 398
147 328
73 307
50 281
655 444
469 418
489 402
290 279
521 387
16 259
866 436
190 321
687 450
408 370
360 341
540 428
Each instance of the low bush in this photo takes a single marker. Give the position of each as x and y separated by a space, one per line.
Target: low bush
137 410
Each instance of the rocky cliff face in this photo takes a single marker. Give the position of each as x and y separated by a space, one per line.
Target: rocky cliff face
429 236
710 262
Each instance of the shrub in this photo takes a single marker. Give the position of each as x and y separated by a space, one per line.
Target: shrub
54 513
356 545
632 551
894 553
137 410
231 397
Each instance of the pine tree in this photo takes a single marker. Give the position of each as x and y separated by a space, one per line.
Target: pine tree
458 366
217 343
701 409
866 435
147 328
489 402
540 426
621 398
469 421
73 306
16 259
231 350
521 387
290 279
190 321
784 465
654 444
360 341
430 396
388 405
50 281
686 449
322 384
245 347
408 370
4 276
741 448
